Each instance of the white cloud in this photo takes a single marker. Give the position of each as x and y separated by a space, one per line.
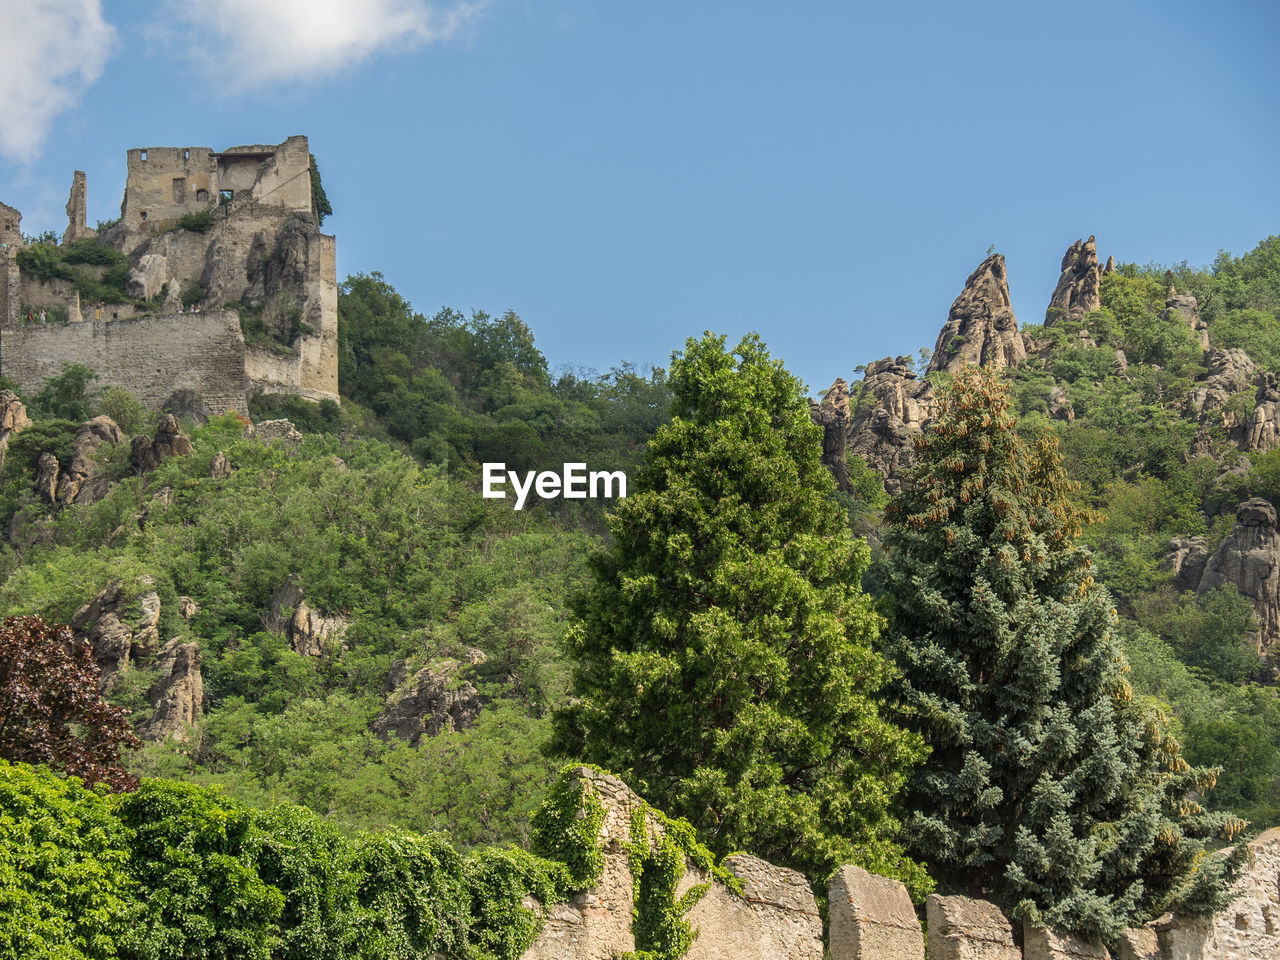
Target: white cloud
247 42
51 52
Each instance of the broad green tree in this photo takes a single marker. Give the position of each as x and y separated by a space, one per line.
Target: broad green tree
723 657
1049 788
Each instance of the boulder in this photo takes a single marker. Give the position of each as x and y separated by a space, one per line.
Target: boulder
833 416
149 277
436 698
13 419
1060 407
1079 287
220 469
282 430
1046 943
871 918
1140 943
169 441
961 928
981 328
1249 560
177 697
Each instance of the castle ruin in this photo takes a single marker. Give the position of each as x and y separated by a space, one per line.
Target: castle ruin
214 285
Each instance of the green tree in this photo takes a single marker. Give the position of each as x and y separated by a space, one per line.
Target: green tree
723 656
65 396
1049 788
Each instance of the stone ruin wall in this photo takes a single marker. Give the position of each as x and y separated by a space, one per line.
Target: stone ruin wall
262 246
872 917
151 357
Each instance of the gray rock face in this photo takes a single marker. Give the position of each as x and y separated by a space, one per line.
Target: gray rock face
283 430
1262 433
981 328
1249 560
833 416
1079 287
436 698
80 482
1230 371
965 929
893 406
46 483
871 918
1187 559
119 632
308 631
149 277
220 469
1183 307
169 441
1060 406
13 419
178 695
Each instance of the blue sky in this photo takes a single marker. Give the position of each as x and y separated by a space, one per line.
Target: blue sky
624 176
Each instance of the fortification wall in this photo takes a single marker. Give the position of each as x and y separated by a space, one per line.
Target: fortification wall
166 182
152 357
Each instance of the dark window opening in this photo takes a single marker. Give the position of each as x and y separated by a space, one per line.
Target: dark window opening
144 215
179 189
202 196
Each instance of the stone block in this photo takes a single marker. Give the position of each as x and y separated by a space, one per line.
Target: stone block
872 918
961 928
1046 943
1139 943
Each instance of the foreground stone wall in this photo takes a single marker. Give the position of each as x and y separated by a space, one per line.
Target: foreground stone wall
153 357
872 918
776 918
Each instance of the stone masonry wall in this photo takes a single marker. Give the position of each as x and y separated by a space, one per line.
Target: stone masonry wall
152 356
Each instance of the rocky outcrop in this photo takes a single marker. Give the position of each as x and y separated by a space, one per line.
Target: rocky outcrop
1184 308
282 430
119 632
1060 406
220 468
893 405
1248 928
169 441
965 929
13 419
1230 372
81 481
1249 560
833 416
1186 558
1079 289
309 632
776 917
981 328
46 482
436 698
177 697
1262 433
871 917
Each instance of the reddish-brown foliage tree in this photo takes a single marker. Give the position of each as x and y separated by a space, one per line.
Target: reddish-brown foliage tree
51 708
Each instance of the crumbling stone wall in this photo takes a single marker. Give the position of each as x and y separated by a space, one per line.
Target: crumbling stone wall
152 357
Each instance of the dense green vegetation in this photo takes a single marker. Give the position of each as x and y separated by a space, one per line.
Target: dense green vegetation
375 516
1011 671
723 662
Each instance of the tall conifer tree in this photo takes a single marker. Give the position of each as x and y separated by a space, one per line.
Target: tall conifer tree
1048 787
723 659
